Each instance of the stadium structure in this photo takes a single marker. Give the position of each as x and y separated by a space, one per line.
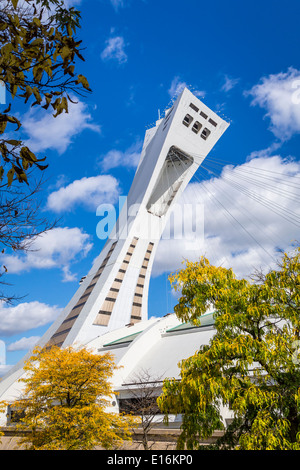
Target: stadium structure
109 311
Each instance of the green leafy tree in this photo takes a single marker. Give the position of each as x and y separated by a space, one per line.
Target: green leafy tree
65 398
250 365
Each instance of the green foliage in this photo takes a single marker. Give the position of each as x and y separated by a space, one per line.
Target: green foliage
38 54
251 364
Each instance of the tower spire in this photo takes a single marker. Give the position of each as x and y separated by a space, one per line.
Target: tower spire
115 291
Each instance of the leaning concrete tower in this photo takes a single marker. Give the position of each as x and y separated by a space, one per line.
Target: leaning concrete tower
115 291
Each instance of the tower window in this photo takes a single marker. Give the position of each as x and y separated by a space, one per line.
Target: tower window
194 107
203 115
196 127
212 122
187 120
205 133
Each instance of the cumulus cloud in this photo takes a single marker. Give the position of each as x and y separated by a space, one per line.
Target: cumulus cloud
23 344
115 50
46 132
115 158
57 248
178 85
25 316
250 212
279 95
88 192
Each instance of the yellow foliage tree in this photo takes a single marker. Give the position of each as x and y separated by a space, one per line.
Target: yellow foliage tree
2 409
64 400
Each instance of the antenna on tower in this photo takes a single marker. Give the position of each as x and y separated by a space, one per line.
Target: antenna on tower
158 114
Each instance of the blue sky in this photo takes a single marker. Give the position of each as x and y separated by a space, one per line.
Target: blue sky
242 60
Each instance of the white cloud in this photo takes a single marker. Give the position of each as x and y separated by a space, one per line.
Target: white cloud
23 344
178 85
115 158
57 248
25 316
229 83
242 225
88 192
46 132
265 153
115 50
278 95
